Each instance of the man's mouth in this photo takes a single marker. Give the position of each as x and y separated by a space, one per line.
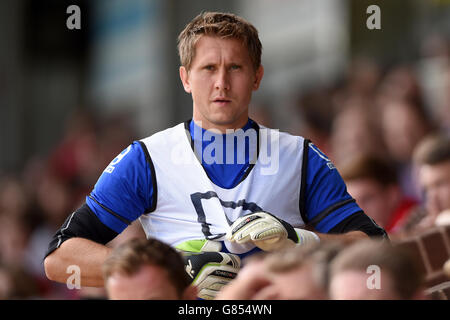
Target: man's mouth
222 100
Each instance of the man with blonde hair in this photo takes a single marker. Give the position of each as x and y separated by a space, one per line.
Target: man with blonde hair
219 182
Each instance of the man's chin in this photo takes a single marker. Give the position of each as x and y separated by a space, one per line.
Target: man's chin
226 123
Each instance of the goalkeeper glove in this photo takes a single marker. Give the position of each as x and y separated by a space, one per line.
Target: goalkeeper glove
268 232
210 271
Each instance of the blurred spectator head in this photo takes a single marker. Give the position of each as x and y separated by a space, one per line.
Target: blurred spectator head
224 25
14 236
116 133
363 76
401 84
434 68
373 270
443 113
14 198
403 125
299 273
432 157
53 197
354 132
316 113
372 181
306 265
144 269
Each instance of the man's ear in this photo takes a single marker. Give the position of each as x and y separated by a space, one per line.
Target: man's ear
190 293
258 77
184 76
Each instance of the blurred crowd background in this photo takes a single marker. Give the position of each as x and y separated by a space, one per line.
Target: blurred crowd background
71 100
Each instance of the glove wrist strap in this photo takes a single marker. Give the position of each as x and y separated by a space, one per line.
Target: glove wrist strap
306 237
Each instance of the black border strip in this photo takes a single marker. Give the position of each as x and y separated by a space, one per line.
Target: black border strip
186 127
302 200
251 165
153 174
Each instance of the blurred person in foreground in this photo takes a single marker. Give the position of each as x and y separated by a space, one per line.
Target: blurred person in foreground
373 182
299 273
146 269
219 182
374 270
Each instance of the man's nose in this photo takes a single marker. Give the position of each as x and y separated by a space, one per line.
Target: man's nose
222 80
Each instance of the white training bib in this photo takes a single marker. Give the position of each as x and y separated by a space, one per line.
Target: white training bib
190 206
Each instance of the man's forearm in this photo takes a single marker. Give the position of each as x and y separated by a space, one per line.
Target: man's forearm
83 253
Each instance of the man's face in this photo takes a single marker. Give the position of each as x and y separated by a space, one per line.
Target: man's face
221 81
435 181
149 283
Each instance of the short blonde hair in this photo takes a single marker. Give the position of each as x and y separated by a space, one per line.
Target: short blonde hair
218 24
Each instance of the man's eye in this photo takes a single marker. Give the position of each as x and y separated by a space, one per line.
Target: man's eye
210 68
235 67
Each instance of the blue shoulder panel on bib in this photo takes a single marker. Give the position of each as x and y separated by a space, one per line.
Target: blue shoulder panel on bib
327 199
124 190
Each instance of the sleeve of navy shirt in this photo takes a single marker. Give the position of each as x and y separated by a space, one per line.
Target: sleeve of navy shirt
327 200
124 190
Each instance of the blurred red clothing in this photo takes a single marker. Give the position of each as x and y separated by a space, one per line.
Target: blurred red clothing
400 215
